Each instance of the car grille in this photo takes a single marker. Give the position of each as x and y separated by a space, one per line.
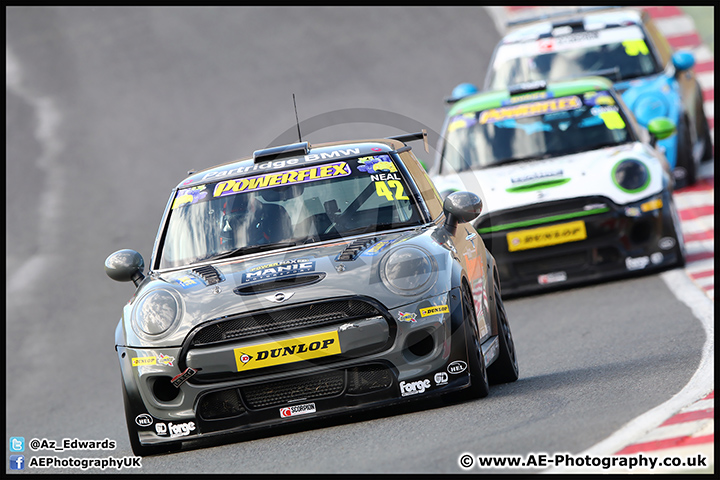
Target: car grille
222 404
311 387
359 380
544 213
265 322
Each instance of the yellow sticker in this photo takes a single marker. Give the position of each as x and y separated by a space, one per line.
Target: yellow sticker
287 351
141 361
633 48
270 180
546 236
613 120
531 109
652 205
426 312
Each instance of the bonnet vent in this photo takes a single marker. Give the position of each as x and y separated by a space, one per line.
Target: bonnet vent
351 251
209 274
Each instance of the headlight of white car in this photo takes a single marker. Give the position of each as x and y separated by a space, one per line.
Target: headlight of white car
155 313
631 175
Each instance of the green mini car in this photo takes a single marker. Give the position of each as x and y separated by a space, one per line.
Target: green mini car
304 282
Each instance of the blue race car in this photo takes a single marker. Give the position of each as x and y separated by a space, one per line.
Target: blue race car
624 45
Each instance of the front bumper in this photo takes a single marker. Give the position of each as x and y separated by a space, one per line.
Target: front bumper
619 240
416 358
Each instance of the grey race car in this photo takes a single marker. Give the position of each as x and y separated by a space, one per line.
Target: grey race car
304 282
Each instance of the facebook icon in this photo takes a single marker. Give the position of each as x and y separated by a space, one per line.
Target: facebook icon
17 462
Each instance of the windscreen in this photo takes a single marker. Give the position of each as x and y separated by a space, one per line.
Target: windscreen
549 127
619 53
283 208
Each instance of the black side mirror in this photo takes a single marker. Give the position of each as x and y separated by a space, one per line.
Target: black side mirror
461 206
124 266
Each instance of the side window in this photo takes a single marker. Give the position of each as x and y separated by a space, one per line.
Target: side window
658 39
427 189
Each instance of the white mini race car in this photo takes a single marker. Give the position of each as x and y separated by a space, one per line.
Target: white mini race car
574 189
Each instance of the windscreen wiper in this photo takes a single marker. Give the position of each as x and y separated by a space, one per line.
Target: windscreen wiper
521 159
248 249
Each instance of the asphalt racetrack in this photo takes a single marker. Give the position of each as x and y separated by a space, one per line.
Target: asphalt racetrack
108 108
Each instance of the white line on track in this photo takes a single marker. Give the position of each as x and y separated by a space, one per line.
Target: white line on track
701 383
706 81
698 225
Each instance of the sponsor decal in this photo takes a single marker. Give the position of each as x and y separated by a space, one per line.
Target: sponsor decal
426 312
165 360
178 380
637 263
536 176
278 179
526 97
414 388
632 212
553 277
189 196
161 359
142 361
144 420
297 410
283 163
175 429
546 236
406 317
278 270
186 282
441 378
531 109
287 351
652 205
376 164
666 243
657 258
456 367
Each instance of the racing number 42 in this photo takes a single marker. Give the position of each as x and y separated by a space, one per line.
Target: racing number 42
383 190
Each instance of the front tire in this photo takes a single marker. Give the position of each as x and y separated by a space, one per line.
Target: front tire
505 368
479 385
684 156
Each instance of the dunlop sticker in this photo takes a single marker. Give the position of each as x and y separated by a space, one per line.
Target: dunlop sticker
278 179
287 351
532 109
426 312
546 236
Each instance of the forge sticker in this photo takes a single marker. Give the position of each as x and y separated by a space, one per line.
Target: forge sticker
414 388
434 310
278 179
278 270
524 110
287 351
186 281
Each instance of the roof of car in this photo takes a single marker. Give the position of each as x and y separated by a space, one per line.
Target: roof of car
247 166
543 26
497 98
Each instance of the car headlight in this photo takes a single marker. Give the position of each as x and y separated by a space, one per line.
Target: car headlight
631 176
155 313
408 271
649 106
